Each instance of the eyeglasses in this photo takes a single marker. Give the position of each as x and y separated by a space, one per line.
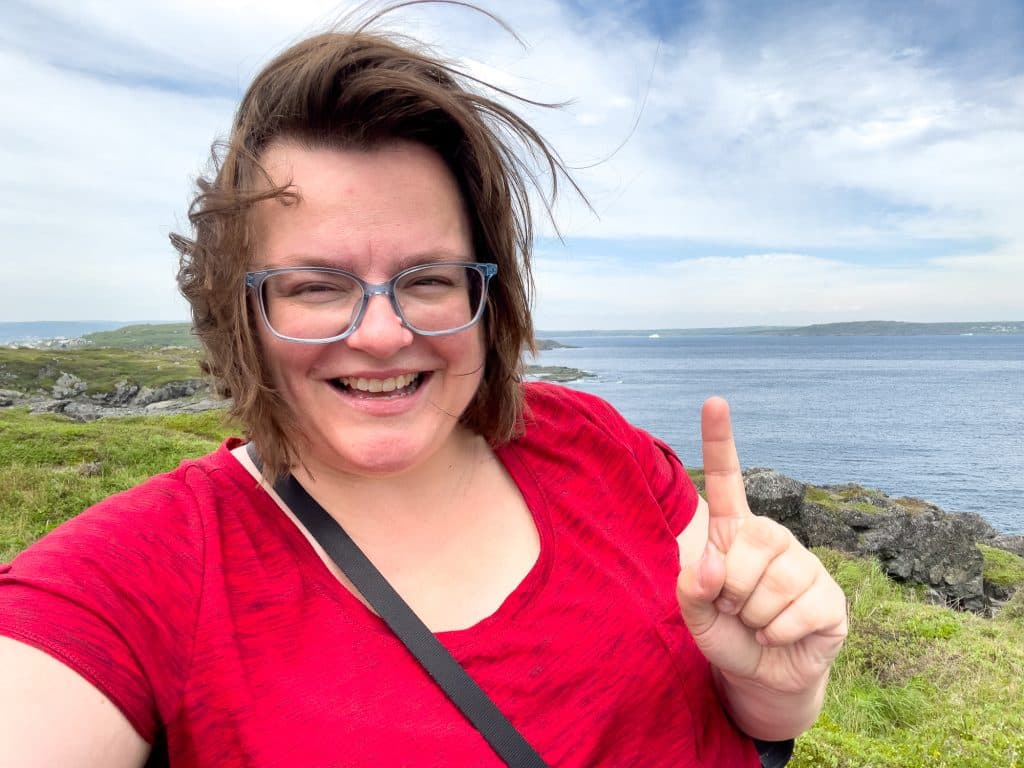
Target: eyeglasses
317 305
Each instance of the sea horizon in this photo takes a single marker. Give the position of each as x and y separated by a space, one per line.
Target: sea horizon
13 331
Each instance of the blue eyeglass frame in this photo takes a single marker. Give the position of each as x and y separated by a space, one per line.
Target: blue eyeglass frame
254 281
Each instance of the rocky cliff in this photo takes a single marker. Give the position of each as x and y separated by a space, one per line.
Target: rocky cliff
916 542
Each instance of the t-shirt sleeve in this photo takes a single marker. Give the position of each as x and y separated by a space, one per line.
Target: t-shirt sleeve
113 594
668 480
663 471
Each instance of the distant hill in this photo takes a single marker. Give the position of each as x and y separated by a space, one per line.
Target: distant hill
894 328
145 336
644 332
859 328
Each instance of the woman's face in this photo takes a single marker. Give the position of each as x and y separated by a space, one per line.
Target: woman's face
372 213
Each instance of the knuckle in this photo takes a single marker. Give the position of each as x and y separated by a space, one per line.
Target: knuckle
788 576
761 610
765 533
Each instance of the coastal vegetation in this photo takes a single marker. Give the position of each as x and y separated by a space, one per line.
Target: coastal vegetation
916 685
52 468
29 370
145 336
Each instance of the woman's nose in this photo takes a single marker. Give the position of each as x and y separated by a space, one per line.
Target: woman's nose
380 332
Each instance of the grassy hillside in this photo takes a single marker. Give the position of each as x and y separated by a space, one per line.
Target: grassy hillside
28 370
53 468
918 685
145 336
915 686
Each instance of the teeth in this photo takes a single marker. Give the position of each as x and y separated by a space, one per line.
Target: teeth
380 385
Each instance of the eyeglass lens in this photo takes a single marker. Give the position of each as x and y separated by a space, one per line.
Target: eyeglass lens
313 304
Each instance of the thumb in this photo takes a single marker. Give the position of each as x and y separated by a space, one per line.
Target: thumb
698 587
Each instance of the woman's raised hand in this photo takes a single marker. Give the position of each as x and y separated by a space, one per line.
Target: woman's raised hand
762 609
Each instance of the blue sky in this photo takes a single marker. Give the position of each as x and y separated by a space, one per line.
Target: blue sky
747 163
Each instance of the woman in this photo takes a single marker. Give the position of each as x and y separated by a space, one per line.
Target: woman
561 555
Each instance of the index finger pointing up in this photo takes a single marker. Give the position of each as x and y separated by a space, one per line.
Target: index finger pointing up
723 481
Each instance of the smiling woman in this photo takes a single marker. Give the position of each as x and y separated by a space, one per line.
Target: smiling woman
359 277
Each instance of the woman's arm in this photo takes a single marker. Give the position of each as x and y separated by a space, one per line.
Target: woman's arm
49 715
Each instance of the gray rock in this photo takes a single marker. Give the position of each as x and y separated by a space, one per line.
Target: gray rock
933 548
80 411
914 541
123 393
91 469
1013 543
774 495
781 498
48 406
976 526
170 391
67 386
823 527
184 406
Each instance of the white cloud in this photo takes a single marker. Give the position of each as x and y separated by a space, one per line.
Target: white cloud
827 132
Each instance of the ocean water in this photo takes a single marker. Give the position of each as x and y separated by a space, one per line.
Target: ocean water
936 417
27 332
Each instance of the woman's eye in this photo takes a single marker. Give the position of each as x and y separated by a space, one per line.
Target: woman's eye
432 280
316 288
315 291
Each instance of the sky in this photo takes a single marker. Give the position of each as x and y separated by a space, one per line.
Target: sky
745 163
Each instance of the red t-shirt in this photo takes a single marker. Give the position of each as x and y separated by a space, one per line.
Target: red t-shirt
199 609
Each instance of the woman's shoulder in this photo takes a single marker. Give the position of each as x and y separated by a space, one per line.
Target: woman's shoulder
547 397
565 424
550 405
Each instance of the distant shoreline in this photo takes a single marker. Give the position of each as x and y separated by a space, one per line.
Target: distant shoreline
34 332
858 328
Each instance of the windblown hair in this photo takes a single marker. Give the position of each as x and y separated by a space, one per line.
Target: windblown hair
363 90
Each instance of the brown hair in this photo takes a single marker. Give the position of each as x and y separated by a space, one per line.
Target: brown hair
361 90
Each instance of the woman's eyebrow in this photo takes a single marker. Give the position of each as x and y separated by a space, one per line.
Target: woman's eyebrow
338 262
430 257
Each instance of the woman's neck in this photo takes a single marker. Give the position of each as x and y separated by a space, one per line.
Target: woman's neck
422 495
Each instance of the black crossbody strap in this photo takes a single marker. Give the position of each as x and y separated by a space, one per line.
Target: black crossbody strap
463 691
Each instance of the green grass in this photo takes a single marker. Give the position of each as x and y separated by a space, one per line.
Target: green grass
45 478
918 685
1000 567
29 370
915 686
697 475
847 497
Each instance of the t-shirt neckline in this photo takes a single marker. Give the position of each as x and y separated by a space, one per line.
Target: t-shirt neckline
325 582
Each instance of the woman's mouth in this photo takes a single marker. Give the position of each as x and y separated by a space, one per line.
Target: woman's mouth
379 389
